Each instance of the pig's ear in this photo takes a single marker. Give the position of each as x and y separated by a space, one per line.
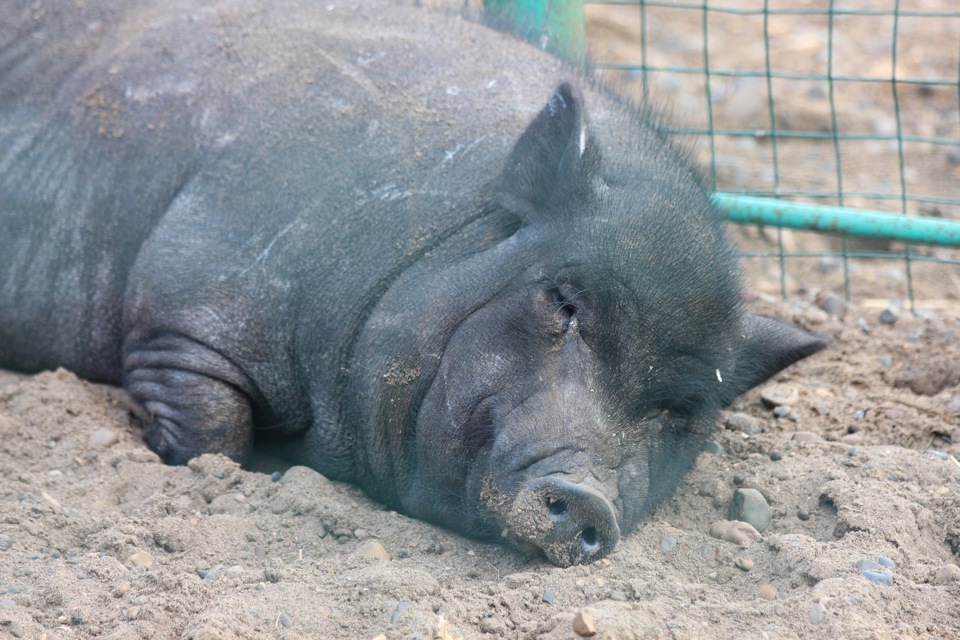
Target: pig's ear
766 347
550 155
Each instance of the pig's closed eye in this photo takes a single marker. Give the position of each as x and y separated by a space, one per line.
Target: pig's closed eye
564 309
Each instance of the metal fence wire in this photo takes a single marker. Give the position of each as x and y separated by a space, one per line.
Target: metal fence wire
849 108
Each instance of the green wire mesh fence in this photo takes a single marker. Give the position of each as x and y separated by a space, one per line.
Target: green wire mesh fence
850 104
826 115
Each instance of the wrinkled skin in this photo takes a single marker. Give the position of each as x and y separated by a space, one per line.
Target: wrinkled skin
390 244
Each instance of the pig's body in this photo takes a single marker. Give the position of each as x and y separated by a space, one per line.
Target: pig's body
316 227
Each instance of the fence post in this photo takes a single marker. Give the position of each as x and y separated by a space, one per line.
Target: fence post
558 26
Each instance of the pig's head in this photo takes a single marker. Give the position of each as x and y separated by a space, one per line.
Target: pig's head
563 373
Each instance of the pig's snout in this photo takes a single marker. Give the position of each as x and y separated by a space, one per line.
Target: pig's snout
571 523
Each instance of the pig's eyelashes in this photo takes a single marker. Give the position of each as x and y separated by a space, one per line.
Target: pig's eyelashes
564 310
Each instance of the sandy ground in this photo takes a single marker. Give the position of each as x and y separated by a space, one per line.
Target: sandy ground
98 539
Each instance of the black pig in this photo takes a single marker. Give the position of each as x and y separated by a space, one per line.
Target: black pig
333 230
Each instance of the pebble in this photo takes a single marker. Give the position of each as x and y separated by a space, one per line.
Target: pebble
817 613
141 559
285 620
815 316
854 427
803 515
936 454
887 316
946 574
401 607
5 541
212 573
886 562
749 505
852 438
782 411
833 305
668 543
360 534
103 438
584 624
868 565
744 563
863 326
739 479
234 572
372 550
276 476
807 437
549 596
743 422
122 589
733 531
886 361
767 592
777 395
776 456
878 577
712 447
133 613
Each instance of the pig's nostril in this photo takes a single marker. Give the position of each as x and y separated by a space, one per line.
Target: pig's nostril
556 506
589 541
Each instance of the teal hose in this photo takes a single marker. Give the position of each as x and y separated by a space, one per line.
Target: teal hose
852 222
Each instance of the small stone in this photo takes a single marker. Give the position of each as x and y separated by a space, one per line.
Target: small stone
817 613
259 552
831 304
103 438
733 531
867 565
776 456
863 326
122 589
936 454
746 564
211 574
234 572
743 422
133 613
878 577
886 361
749 505
5 542
776 395
782 411
361 534
276 476
739 479
584 624
372 550
815 316
401 607
807 437
852 438
887 316
883 561
668 543
854 428
549 597
712 447
767 592
803 515
141 559
285 620
946 574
